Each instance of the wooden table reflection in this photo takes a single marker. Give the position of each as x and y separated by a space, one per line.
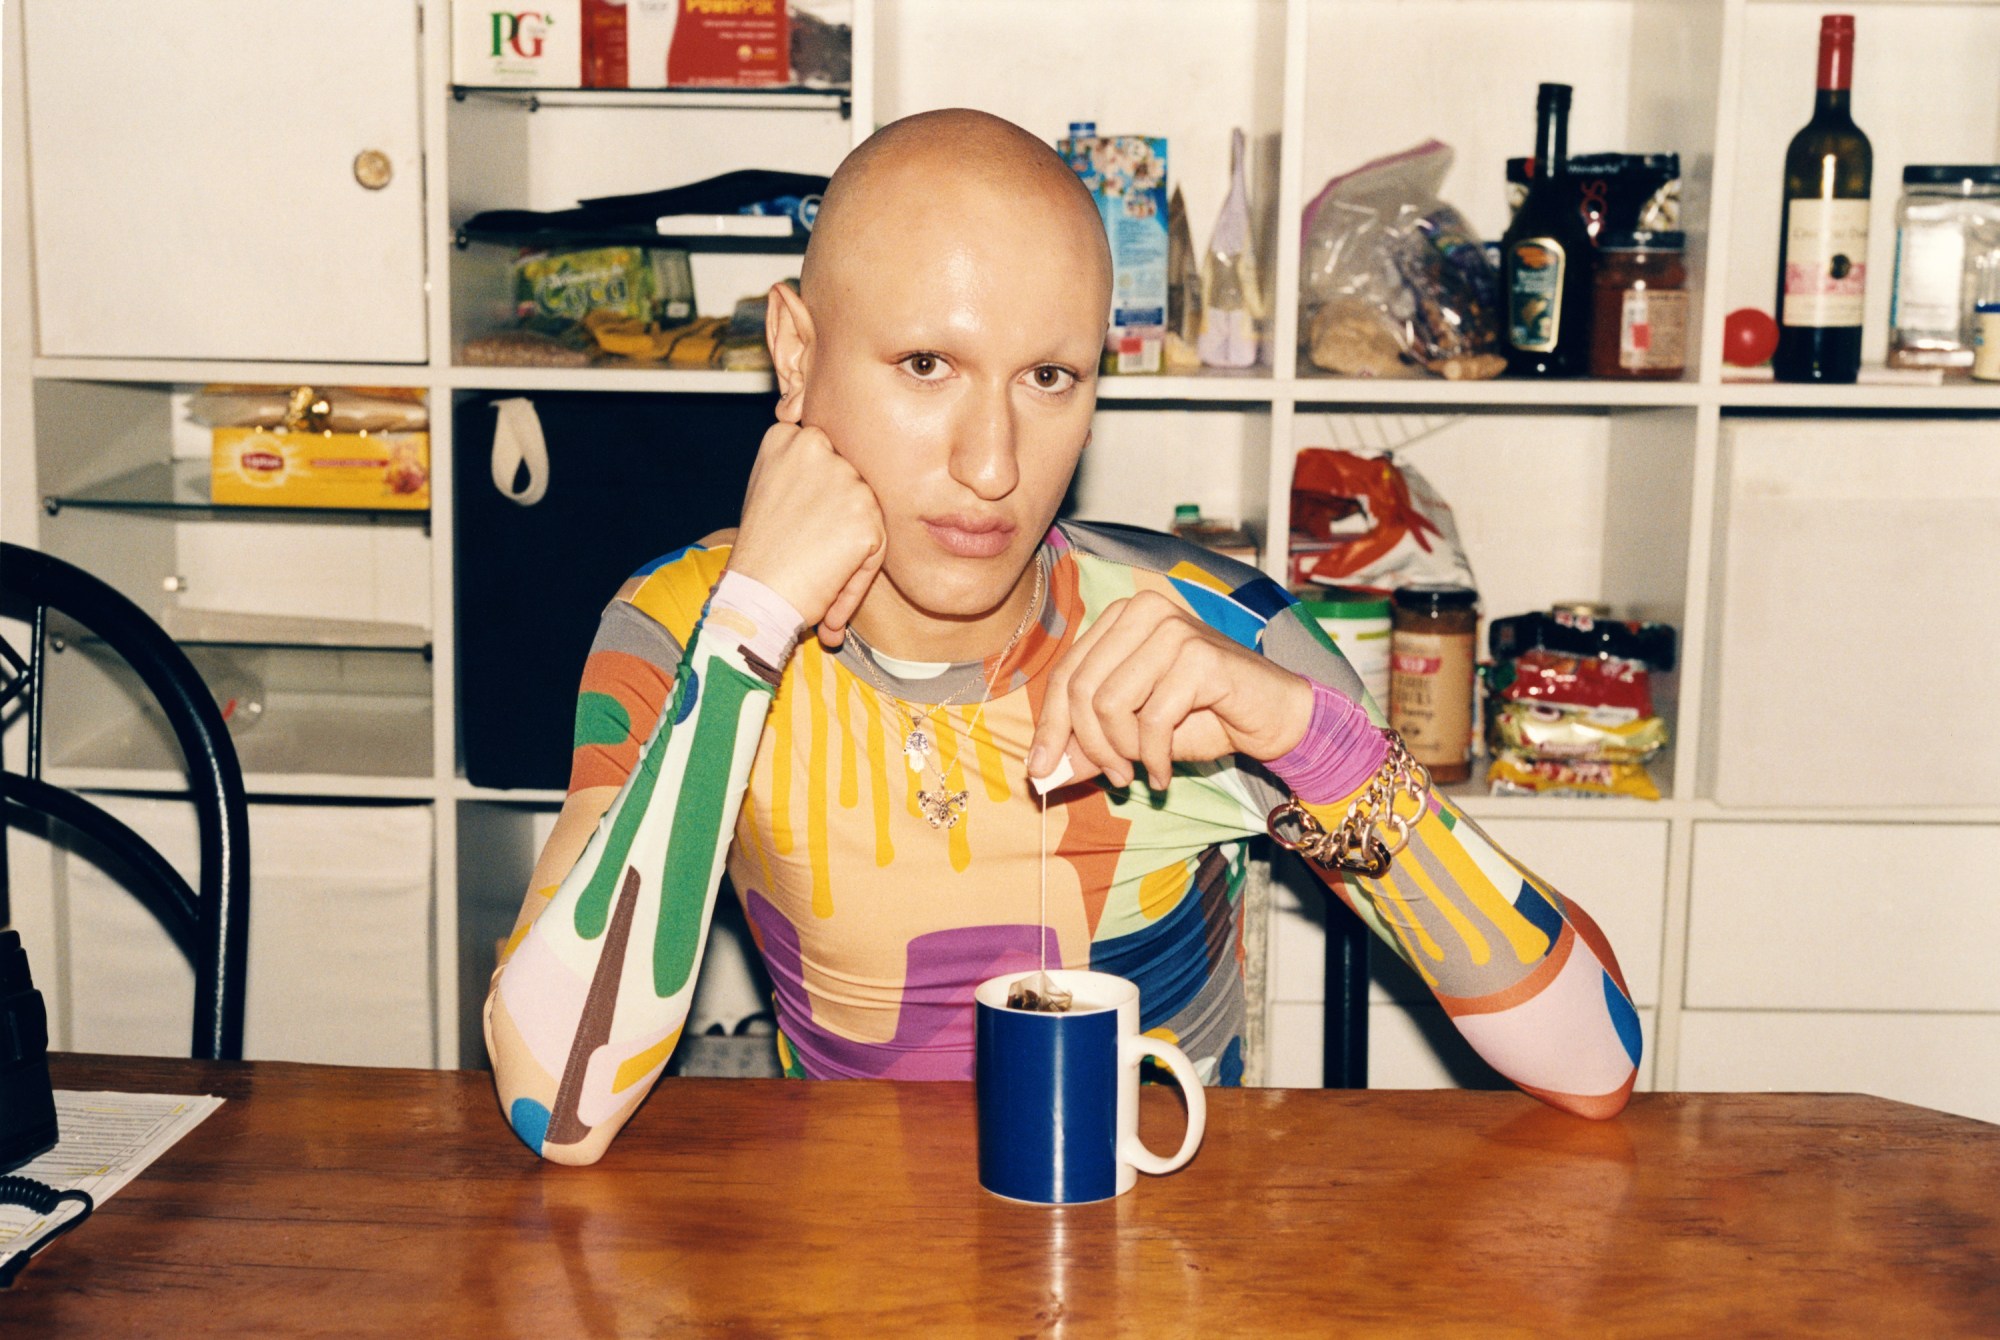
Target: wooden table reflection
324 1200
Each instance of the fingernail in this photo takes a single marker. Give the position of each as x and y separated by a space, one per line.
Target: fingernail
1038 761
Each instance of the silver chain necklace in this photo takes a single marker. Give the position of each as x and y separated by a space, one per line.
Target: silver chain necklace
944 807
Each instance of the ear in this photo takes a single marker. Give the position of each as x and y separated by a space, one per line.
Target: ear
788 330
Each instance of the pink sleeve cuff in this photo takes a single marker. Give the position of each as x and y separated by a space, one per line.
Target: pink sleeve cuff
1340 752
755 617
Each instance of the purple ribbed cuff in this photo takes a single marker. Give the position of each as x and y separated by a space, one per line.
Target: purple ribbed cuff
1341 750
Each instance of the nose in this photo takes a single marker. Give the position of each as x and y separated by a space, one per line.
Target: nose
985 449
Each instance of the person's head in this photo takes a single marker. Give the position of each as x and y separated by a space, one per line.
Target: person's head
945 336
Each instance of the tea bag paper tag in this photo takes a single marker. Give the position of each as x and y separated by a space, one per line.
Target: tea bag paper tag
1056 776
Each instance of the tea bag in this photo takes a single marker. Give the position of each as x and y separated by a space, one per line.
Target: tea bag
1038 991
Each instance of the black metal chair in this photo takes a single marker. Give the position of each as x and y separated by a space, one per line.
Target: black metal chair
1346 1039
211 925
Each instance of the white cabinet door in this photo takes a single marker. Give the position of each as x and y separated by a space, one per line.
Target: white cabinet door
340 944
195 185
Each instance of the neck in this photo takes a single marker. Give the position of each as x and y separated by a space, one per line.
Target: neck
889 621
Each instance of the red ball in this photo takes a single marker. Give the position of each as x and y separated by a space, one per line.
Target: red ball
1749 337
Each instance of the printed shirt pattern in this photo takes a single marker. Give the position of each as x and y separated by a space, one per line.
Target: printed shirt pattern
697 720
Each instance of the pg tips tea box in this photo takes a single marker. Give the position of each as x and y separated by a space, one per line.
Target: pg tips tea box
275 467
1127 176
517 43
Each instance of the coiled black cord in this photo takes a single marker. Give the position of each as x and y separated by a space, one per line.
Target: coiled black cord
42 1199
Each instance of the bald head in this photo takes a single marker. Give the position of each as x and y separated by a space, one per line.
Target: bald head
941 174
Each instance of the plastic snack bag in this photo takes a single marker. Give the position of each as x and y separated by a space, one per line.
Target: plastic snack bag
1232 296
1360 520
1393 279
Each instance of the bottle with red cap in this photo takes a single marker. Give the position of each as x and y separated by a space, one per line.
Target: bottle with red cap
1823 233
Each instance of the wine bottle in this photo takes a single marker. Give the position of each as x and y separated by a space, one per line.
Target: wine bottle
1547 257
1823 233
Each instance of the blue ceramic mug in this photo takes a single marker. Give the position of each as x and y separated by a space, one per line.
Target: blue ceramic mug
1059 1093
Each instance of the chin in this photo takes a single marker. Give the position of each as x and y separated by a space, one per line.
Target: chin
958 588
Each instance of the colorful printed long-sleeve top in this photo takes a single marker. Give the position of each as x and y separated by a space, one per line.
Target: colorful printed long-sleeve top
708 732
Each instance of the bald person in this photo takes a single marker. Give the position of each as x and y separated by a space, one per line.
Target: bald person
843 701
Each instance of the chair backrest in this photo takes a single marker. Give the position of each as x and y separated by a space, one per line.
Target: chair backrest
210 923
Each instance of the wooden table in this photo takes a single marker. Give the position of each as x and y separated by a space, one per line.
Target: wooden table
322 1200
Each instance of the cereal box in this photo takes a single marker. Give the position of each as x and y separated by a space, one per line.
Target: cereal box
272 467
1127 175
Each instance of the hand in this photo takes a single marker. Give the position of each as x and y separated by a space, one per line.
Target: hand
1148 683
812 529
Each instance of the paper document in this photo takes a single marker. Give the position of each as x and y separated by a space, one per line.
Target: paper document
107 1140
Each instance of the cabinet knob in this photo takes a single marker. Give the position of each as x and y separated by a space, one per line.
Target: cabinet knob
372 170
175 585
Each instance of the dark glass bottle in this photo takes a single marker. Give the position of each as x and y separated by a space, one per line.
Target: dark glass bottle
1823 232
1547 258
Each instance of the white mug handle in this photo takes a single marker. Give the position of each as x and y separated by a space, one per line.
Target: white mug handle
1133 1150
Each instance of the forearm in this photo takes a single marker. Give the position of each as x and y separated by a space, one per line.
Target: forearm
1524 974
585 1012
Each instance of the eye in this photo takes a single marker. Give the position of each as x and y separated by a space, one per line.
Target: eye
1053 378
925 367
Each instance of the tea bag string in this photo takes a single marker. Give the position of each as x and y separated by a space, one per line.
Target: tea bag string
1044 918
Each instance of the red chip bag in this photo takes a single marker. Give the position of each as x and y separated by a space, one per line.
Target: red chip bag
1367 521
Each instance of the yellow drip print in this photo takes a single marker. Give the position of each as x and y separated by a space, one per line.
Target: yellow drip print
954 780
1529 943
912 779
878 776
822 887
1407 925
843 686
782 764
750 826
1474 941
991 769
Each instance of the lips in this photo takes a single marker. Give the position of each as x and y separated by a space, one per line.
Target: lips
970 536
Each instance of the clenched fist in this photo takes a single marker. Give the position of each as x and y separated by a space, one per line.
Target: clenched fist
812 529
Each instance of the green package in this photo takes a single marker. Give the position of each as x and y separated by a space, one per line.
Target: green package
567 286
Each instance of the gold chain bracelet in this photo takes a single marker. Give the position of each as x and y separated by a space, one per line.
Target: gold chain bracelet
1372 832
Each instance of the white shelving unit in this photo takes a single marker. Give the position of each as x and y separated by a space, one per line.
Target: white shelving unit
1620 492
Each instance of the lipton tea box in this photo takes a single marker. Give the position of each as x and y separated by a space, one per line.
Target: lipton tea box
271 467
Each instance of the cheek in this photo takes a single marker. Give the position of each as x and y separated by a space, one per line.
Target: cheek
1049 452
890 439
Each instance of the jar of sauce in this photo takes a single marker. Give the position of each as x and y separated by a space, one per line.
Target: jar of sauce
1430 676
1639 312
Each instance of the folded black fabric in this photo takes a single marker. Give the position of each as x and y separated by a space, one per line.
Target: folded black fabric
628 220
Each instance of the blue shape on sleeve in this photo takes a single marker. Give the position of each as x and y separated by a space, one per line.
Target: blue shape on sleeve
1264 598
1623 1018
1544 918
530 1121
689 691
662 561
1231 1075
1221 613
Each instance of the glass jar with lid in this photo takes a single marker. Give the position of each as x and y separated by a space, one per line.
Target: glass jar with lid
1948 217
1639 315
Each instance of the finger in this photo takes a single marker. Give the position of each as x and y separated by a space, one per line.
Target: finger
833 625
1052 730
1085 729
1161 676
1162 719
1134 650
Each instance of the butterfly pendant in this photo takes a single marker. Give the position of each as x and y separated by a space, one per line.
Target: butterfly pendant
941 807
